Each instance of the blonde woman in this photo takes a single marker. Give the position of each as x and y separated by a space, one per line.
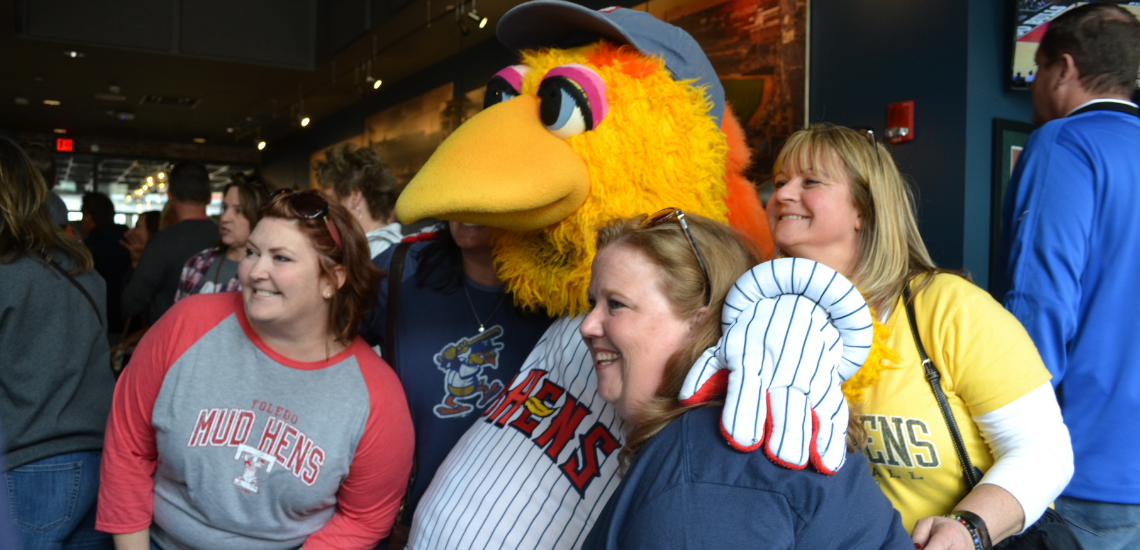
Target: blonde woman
841 201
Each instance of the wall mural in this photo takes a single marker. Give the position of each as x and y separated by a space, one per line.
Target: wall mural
759 50
757 47
408 133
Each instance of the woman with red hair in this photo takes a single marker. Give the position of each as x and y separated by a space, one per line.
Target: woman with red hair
261 419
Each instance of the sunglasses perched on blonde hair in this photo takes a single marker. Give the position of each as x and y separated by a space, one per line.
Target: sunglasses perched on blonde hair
671 213
870 135
309 205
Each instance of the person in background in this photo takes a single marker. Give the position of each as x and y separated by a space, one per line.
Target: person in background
657 289
133 327
112 261
458 340
259 419
841 201
45 163
1069 254
154 283
135 239
56 380
360 181
215 269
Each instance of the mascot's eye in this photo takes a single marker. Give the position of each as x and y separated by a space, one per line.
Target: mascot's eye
573 100
504 85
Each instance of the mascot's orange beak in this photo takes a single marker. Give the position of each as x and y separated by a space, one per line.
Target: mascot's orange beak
502 169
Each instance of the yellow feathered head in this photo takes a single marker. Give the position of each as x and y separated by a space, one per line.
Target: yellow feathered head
575 136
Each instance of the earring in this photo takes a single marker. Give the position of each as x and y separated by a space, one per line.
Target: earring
328 295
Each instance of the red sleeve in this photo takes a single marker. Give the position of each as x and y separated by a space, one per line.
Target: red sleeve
368 498
126 485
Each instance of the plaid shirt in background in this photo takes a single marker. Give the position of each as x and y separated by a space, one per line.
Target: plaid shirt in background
194 276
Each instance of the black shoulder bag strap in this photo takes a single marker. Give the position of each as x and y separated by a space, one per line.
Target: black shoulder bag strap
71 279
973 475
395 278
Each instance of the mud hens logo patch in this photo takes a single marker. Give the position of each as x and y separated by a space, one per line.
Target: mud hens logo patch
280 443
465 365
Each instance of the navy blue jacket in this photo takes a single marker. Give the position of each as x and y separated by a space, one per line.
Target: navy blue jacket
688 489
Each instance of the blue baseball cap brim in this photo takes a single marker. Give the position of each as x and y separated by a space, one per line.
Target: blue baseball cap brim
559 24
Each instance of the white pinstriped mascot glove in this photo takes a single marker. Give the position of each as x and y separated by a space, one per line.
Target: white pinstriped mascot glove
794 330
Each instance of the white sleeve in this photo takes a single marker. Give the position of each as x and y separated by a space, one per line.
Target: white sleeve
1033 456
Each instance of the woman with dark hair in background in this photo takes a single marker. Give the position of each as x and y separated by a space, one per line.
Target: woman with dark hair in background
458 338
215 269
135 239
55 377
361 182
259 419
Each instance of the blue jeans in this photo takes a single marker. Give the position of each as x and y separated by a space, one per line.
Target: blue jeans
1102 525
52 502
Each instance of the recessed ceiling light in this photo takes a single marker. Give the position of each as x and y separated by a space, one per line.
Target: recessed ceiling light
60 131
260 145
376 85
199 140
51 102
304 122
74 54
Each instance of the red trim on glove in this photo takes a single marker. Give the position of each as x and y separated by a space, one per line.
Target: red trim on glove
716 386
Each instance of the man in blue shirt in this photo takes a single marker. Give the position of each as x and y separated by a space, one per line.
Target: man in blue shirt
1071 255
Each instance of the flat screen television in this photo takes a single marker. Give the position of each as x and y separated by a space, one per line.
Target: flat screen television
1031 18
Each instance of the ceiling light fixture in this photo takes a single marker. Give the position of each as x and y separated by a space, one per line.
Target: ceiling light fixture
52 102
260 145
371 79
74 54
475 16
304 121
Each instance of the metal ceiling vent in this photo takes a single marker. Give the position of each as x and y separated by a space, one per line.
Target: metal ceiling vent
168 101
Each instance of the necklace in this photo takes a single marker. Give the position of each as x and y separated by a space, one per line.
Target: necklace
472 304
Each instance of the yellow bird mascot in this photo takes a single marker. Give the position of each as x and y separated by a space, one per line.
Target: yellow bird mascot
608 114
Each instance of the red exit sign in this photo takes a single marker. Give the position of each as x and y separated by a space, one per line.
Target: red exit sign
62 144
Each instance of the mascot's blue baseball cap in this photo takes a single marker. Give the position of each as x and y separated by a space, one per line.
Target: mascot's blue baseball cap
558 24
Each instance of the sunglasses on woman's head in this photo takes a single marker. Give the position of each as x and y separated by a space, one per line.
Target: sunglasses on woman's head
870 135
671 213
309 205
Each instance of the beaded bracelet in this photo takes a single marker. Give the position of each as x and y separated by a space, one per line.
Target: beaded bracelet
975 525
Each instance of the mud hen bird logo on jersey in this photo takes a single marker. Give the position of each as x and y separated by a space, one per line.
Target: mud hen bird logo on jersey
463 362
